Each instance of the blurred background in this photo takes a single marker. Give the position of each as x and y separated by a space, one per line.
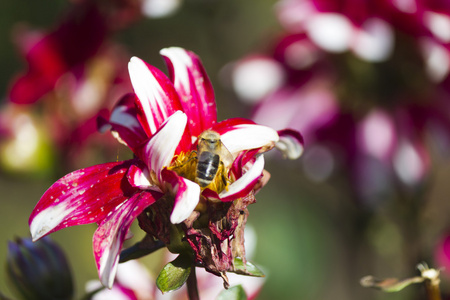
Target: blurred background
366 85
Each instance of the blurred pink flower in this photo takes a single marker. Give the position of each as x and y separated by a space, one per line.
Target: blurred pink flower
365 82
74 70
160 123
442 254
133 281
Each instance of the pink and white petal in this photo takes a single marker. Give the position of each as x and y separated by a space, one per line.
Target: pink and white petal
109 236
238 167
139 177
81 197
160 149
225 125
124 121
248 136
245 184
291 143
193 86
187 195
157 98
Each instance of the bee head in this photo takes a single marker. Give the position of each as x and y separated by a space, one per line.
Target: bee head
209 138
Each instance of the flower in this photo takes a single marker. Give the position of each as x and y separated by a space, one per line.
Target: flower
64 85
39 270
160 123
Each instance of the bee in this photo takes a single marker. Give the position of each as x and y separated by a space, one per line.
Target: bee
212 158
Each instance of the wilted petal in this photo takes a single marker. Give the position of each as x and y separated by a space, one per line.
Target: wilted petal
243 186
157 98
242 137
160 150
81 197
111 233
187 195
290 143
193 86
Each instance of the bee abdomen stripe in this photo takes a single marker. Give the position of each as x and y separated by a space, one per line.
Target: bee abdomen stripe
208 164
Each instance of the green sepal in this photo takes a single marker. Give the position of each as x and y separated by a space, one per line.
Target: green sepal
248 268
236 292
174 274
177 240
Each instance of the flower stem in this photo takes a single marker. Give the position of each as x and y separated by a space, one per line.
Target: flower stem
432 281
433 291
192 285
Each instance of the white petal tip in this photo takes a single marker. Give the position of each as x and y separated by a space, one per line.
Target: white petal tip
166 51
47 219
135 59
290 144
186 201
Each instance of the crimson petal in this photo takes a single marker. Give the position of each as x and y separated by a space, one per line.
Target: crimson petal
156 97
193 86
187 195
110 235
81 197
124 121
291 143
242 186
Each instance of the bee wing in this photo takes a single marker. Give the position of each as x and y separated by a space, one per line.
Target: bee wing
226 156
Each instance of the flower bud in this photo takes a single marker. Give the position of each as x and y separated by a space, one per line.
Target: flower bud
39 270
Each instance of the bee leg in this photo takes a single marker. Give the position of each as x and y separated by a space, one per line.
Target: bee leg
224 178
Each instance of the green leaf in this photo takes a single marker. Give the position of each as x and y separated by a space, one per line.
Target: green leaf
248 269
233 293
174 274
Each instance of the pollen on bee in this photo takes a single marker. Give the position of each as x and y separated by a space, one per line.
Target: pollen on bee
220 181
185 164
